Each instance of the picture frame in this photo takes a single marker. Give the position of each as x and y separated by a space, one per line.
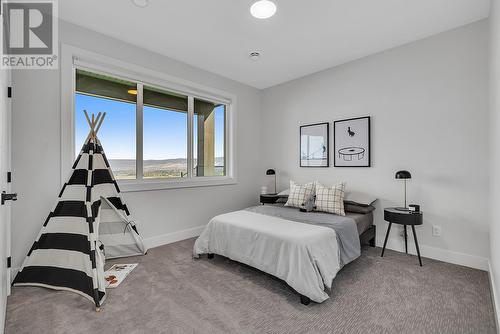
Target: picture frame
314 140
352 142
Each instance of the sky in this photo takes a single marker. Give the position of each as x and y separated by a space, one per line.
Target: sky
165 132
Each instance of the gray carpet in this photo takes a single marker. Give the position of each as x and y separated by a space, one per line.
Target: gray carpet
170 292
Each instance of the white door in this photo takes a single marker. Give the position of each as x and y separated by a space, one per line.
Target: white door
6 196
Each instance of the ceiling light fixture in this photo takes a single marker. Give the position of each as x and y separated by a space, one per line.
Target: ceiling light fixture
263 9
141 3
132 91
254 56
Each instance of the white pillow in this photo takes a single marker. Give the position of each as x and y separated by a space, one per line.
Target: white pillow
359 198
300 194
330 199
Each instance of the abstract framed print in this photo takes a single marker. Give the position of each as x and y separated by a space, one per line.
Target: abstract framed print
314 141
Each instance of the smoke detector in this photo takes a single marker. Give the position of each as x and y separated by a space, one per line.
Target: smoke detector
254 56
141 3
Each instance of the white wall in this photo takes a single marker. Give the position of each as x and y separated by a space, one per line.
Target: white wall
428 102
36 148
495 149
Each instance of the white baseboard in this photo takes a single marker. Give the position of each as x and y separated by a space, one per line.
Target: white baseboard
156 241
494 295
169 238
472 261
445 255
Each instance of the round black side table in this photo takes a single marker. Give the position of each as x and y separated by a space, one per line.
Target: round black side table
405 218
268 198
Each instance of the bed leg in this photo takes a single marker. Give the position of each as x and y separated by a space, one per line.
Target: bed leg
210 255
372 240
304 300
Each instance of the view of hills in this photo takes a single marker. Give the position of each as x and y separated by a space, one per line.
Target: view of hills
125 168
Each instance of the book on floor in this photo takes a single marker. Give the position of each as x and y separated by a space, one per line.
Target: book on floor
117 273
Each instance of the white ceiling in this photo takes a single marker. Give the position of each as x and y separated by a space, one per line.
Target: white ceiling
303 37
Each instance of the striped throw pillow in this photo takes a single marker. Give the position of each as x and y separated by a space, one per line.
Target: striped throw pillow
330 199
300 194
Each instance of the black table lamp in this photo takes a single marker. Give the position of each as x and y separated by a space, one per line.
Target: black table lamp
272 172
405 175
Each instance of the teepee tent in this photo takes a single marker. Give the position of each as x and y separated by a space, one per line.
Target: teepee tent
88 223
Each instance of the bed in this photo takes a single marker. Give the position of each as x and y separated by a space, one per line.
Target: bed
305 249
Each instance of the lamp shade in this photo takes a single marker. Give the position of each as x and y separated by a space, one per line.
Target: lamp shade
403 174
270 172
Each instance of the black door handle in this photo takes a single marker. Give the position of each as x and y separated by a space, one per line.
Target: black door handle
8 197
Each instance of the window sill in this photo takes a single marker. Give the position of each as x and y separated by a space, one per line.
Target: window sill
158 184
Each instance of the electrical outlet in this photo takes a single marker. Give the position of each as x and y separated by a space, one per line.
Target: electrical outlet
436 230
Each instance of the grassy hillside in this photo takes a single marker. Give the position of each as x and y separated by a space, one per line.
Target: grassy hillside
168 168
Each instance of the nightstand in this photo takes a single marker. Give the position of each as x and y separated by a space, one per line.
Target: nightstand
268 198
405 218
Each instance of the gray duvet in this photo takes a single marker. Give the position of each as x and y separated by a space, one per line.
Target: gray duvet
344 227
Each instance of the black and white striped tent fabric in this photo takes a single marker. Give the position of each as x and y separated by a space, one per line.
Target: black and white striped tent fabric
88 223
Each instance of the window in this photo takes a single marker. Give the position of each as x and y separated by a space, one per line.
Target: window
146 134
209 125
165 134
97 93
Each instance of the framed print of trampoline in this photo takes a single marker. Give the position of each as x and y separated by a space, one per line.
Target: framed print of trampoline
314 140
352 142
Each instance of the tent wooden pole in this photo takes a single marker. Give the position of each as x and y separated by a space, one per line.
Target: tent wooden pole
100 123
89 135
93 126
92 123
87 117
97 120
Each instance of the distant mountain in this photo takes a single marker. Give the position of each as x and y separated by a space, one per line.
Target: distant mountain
179 163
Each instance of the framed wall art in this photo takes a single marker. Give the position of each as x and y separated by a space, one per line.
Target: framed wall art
352 142
314 141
